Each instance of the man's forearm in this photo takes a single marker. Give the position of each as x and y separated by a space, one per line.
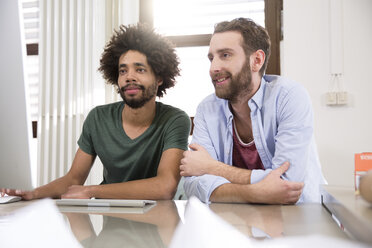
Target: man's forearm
231 192
150 188
233 174
251 193
55 188
271 190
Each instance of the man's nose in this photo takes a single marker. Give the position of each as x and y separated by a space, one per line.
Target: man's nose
215 66
130 77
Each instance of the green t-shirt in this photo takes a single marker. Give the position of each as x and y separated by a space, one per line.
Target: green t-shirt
125 159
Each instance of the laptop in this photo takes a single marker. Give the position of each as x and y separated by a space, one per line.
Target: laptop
104 202
103 210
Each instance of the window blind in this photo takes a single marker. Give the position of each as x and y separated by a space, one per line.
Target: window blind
30 9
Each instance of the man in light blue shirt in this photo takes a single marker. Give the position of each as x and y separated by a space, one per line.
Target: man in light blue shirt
260 124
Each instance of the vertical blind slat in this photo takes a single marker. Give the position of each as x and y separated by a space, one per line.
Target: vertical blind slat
66 75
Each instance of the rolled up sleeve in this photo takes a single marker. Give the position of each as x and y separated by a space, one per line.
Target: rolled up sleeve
203 186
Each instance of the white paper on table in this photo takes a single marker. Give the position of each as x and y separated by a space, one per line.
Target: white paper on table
39 224
203 228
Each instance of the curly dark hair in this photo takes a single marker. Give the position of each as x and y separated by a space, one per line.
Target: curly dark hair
160 54
255 37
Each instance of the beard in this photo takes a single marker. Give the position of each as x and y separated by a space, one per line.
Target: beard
147 94
240 83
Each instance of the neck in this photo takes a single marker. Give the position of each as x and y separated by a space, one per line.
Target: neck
140 116
240 106
240 110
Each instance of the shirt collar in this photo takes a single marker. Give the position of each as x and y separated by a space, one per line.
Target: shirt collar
228 113
259 95
257 99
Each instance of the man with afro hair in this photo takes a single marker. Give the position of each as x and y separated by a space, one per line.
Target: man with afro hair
140 141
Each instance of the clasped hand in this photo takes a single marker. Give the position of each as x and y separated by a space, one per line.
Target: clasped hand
196 162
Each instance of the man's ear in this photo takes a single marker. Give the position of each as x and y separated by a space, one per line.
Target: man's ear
160 81
257 60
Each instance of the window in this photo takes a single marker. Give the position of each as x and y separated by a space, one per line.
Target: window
30 9
199 16
189 25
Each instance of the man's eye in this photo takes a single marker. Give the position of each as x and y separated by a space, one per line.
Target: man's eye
122 71
226 55
141 70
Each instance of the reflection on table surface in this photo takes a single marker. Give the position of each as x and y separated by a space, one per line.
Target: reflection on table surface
125 229
116 232
279 220
256 221
157 225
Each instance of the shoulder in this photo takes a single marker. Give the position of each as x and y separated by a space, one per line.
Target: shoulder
172 118
282 86
108 107
282 90
106 111
165 110
288 96
212 99
167 114
213 104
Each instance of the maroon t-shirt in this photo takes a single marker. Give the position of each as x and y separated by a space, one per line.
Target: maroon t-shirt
245 156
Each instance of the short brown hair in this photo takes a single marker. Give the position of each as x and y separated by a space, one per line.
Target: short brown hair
255 37
160 54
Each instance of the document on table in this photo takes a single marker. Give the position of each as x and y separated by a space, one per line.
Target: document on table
39 224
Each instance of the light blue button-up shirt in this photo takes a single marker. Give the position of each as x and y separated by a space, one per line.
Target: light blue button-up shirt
282 126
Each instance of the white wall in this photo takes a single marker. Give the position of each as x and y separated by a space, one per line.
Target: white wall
340 131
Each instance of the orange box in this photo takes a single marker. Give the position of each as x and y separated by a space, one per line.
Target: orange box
363 163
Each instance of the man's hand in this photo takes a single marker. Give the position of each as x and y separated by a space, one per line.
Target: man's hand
274 190
270 190
77 192
196 162
26 195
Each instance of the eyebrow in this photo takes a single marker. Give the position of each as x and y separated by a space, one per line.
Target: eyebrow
225 50
136 64
222 50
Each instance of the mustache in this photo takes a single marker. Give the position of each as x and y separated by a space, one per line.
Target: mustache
132 85
215 76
